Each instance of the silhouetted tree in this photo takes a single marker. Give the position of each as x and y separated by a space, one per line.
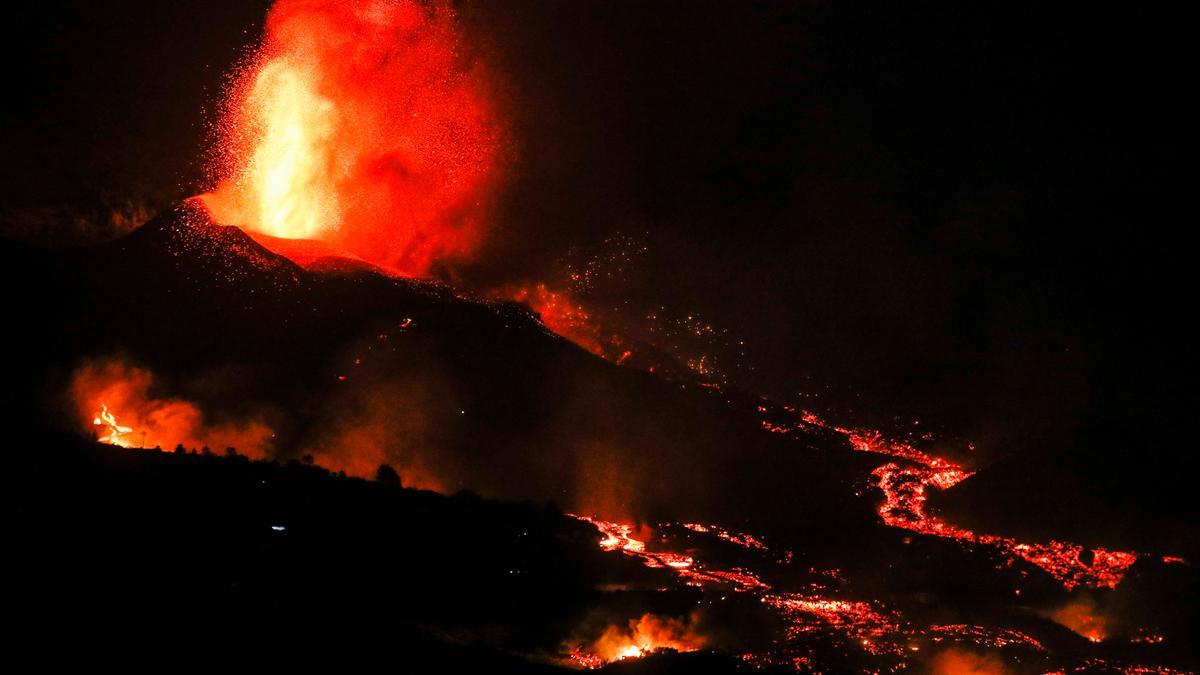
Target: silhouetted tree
387 475
307 459
206 451
179 449
231 452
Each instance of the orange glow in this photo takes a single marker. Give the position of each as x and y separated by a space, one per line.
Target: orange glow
905 487
363 427
362 126
561 315
359 448
640 637
116 432
1083 617
961 662
118 398
875 631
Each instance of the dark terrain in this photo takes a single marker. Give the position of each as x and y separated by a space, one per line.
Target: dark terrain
115 542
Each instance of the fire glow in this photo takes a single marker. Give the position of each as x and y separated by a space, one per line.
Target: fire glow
813 614
121 402
361 126
904 506
640 637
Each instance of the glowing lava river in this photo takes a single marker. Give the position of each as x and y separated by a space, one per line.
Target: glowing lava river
771 603
823 622
909 590
904 489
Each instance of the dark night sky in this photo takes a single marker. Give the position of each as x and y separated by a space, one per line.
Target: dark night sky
964 212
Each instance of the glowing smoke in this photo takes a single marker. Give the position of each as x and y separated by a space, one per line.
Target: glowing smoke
122 397
361 125
639 637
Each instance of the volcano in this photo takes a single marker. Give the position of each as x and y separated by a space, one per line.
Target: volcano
508 408
604 516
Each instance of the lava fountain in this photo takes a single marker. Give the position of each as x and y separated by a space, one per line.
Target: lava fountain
361 126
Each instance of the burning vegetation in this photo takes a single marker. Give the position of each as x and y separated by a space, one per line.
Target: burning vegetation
125 406
637 638
378 401
905 486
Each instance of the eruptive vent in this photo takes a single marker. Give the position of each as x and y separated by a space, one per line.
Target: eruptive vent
819 613
362 129
364 126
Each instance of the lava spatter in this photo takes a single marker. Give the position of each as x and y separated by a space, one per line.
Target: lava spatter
365 127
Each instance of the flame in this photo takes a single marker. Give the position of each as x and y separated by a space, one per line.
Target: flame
148 420
641 636
359 125
116 432
812 613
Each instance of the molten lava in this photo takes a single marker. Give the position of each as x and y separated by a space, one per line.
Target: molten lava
1084 617
564 316
363 126
904 488
813 614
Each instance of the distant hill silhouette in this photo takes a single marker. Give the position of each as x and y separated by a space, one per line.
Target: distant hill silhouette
506 407
351 365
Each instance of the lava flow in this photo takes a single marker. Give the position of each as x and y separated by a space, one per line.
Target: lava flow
904 505
812 614
561 315
361 126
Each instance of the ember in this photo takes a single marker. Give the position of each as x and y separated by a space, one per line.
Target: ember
904 489
561 315
641 636
361 126
116 432
865 625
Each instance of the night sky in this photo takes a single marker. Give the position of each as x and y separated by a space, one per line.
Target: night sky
958 212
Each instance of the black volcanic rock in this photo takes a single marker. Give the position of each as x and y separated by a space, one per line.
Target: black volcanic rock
484 399
169 553
501 405
1046 495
